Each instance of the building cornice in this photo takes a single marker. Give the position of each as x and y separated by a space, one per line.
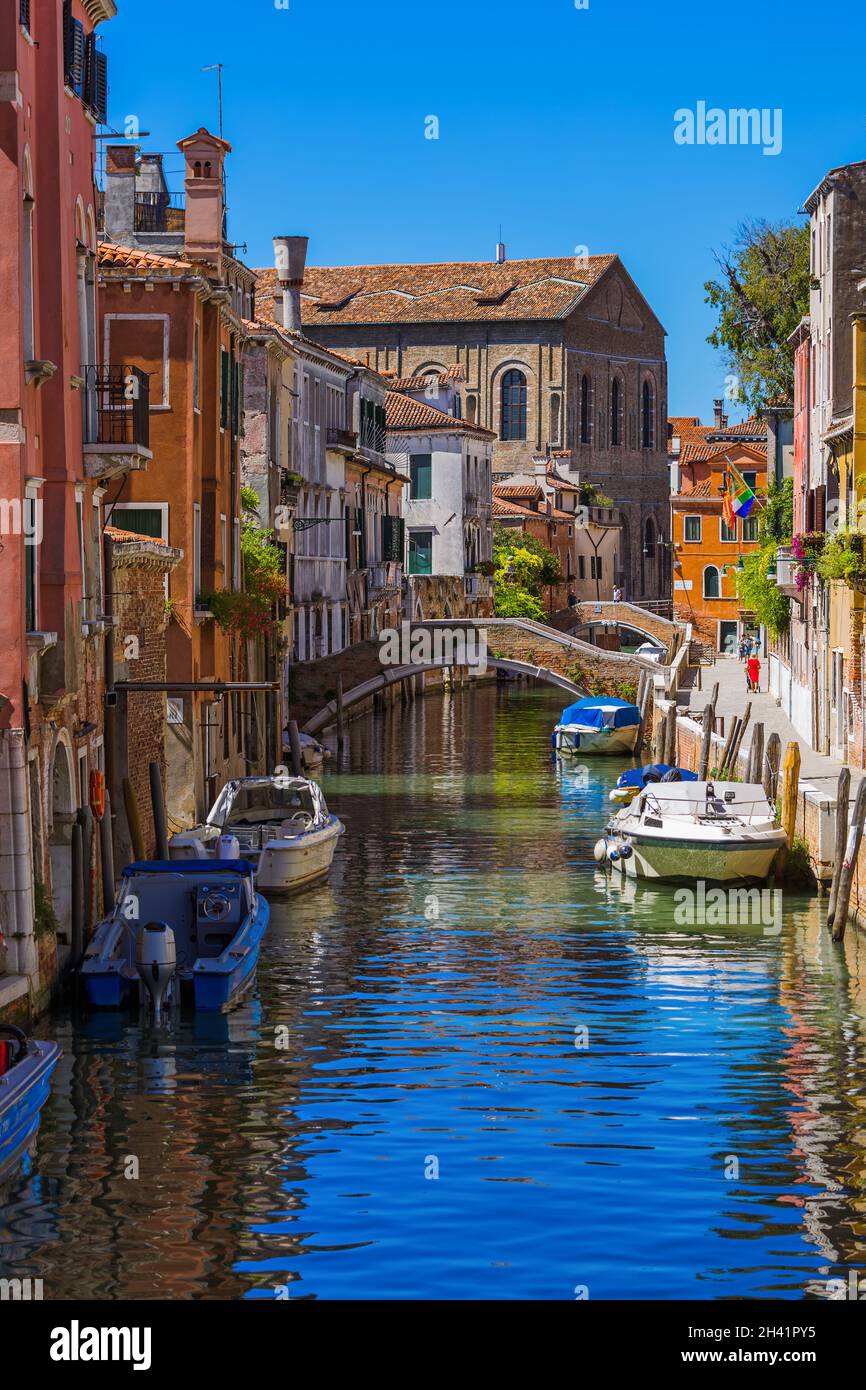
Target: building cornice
99 10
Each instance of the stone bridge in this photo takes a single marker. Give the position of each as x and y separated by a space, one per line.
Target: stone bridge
515 645
587 616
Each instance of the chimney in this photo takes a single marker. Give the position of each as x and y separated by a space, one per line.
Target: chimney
290 258
120 193
719 423
500 253
204 225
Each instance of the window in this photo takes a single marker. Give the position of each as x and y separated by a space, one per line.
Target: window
750 528
750 479
595 563
421 474
27 256
581 566
712 587
691 528
555 411
225 388
224 549
420 552
144 521
196 367
83 780
32 506
196 553
726 532
615 412
584 409
646 428
472 409
24 14
513 424
73 50
236 565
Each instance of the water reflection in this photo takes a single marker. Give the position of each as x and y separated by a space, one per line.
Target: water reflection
425 1013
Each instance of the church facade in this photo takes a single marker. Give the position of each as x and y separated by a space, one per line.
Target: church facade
558 354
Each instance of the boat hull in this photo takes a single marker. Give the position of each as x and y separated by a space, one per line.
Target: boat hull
23 1092
675 860
288 866
578 742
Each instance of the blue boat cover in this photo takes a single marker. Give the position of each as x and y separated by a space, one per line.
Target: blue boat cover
191 866
635 777
599 712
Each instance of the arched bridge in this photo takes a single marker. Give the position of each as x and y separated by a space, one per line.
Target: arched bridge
515 645
649 626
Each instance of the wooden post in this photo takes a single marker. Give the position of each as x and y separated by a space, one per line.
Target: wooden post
157 801
790 787
849 863
671 735
727 748
133 819
706 744
843 792
756 754
735 750
660 740
106 857
295 749
714 697
772 758
77 892
341 723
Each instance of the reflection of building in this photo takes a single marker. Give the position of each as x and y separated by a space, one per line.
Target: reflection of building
708 551
447 504
67 426
558 351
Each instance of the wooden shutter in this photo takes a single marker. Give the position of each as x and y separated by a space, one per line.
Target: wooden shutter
100 88
225 387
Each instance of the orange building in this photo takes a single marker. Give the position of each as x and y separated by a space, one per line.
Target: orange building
182 316
707 552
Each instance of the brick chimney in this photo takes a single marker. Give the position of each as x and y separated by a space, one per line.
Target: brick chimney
204 227
719 419
120 193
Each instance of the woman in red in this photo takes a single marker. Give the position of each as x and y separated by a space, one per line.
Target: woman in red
753 666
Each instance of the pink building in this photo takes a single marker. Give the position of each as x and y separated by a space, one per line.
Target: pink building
67 426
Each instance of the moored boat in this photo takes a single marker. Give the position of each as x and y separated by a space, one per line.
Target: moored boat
26 1067
597 724
280 824
681 831
630 783
180 933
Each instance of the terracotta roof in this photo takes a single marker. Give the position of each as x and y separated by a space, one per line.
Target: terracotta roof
517 490
130 258
513 507
501 508
746 428
116 533
422 381
405 413
711 449
451 291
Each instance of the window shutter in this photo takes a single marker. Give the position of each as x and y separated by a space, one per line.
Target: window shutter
240 402
73 52
225 364
361 538
100 88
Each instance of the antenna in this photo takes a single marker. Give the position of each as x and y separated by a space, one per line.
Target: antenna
218 69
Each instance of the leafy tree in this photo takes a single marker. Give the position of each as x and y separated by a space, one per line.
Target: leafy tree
522 568
761 295
506 541
757 589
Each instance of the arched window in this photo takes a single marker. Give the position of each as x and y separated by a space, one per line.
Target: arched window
712 586
646 416
28 315
554 417
615 411
513 424
584 409
472 409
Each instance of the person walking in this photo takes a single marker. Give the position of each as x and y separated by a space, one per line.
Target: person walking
753 668
617 593
741 650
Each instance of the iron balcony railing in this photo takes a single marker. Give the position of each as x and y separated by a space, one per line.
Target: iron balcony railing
116 406
341 439
159 212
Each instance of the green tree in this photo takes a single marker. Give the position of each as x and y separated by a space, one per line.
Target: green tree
760 296
522 568
757 589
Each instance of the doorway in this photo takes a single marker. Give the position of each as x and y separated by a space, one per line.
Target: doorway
63 807
728 636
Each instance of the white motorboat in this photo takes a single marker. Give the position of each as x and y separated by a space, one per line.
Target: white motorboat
280 824
597 724
722 832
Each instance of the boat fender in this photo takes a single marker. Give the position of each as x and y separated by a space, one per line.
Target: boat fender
626 851
613 856
228 847
600 851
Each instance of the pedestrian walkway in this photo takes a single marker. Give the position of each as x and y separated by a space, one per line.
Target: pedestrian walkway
821 772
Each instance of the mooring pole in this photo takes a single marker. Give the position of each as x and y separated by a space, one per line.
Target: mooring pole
706 744
756 754
772 758
843 792
295 747
849 863
790 787
157 801
106 856
77 892
341 726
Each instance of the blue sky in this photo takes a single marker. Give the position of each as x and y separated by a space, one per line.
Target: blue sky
556 122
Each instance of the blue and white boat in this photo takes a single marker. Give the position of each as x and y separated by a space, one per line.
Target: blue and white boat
630 783
597 724
185 932
26 1067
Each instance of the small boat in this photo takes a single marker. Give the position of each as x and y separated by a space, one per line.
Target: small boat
280 824
26 1067
597 724
681 831
180 933
314 755
630 783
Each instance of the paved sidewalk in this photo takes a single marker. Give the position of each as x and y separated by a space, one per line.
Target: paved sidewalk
821 772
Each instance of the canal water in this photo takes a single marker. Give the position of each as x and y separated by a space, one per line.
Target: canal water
473 1068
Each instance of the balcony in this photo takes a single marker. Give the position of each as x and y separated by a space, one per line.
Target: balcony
384 580
477 586
344 441
116 419
159 212
786 567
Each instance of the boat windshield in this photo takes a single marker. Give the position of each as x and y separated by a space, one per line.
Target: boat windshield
249 804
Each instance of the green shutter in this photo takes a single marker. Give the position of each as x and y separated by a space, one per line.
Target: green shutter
225 387
421 474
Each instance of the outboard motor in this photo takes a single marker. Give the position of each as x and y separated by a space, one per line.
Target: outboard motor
228 847
156 961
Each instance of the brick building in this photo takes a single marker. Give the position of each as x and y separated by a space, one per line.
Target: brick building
556 351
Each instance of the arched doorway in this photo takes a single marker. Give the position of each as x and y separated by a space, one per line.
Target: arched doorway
62 784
